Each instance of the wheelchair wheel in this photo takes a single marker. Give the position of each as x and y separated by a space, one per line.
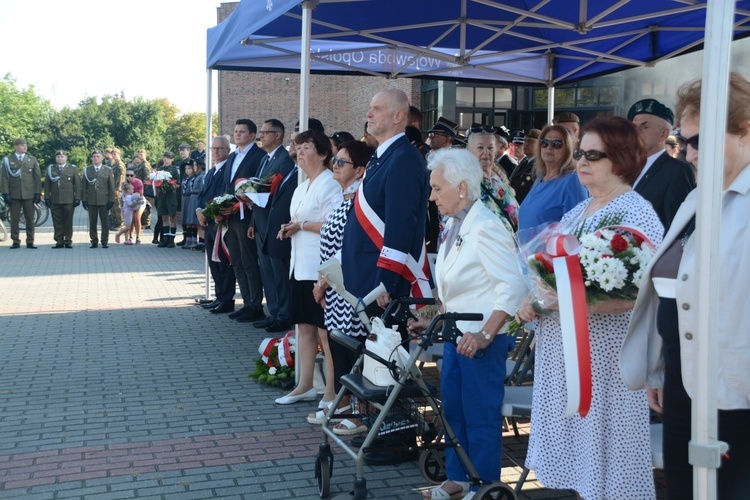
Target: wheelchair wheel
495 491
323 473
432 465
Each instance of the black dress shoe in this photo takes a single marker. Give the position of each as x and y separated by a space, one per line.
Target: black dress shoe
223 307
31 245
239 312
68 245
94 245
211 305
15 245
278 326
252 315
59 245
262 324
105 245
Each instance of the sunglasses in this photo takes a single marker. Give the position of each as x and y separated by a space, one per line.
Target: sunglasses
690 141
129 175
477 130
341 163
590 155
543 143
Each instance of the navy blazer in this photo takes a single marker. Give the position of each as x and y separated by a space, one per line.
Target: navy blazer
282 163
665 185
397 187
213 186
278 214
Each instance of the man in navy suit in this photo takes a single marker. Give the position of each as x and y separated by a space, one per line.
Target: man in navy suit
276 160
664 181
279 251
243 162
215 185
387 246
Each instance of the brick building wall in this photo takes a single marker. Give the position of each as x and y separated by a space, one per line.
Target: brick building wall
340 102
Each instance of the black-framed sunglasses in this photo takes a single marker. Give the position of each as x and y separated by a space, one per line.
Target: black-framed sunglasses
556 144
129 175
689 141
341 163
590 155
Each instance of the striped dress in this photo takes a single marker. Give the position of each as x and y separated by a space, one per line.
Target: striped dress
338 313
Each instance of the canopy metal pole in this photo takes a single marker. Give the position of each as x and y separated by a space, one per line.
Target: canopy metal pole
304 98
550 88
704 450
209 112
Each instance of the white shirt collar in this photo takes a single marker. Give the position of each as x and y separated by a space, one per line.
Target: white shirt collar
383 146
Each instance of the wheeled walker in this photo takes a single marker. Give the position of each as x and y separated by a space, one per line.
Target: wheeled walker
408 384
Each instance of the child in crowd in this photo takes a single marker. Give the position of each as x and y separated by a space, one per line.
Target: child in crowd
189 217
187 223
131 203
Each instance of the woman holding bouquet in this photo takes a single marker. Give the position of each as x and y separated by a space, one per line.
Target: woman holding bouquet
476 272
496 195
312 202
557 188
659 353
607 453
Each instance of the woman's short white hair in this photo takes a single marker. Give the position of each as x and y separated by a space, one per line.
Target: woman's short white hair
458 165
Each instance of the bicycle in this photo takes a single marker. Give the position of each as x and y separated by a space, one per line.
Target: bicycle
41 214
3 217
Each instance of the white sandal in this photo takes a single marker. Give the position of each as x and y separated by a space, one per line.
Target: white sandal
350 428
439 493
319 417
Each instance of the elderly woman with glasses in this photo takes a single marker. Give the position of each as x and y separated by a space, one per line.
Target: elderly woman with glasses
607 453
476 271
557 188
660 351
496 194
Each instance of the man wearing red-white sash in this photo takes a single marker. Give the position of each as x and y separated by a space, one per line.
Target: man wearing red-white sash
384 235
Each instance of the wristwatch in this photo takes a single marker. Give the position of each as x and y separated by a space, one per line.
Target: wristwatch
486 336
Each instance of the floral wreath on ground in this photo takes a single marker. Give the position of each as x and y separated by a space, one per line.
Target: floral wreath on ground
275 366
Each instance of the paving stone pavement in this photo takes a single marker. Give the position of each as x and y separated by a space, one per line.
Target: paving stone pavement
115 385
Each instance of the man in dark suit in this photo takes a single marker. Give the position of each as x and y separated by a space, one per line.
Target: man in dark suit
215 185
243 163
388 247
279 251
523 176
276 160
21 186
664 181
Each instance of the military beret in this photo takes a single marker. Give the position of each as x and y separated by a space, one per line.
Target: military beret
60 152
534 133
184 145
651 107
168 154
19 141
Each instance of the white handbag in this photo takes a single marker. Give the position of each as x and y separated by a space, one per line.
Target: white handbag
388 346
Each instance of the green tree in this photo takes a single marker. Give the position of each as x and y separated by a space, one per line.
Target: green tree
189 128
24 114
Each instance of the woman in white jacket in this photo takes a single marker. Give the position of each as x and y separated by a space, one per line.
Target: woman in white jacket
659 351
476 272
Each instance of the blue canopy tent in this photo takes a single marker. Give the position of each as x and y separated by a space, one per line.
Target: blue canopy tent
533 42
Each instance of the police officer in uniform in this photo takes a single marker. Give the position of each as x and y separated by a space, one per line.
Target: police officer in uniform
21 187
62 193
98 197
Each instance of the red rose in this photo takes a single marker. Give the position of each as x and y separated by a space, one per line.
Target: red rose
619 244
638 240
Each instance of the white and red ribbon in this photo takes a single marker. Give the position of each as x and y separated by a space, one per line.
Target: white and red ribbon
415 272
286 356
220 245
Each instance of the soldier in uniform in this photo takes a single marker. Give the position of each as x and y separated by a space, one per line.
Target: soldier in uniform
21 187
62 193
98 197
118 171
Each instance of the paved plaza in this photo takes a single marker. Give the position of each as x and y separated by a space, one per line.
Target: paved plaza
115 385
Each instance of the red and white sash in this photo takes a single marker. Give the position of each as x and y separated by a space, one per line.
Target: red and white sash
401 263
